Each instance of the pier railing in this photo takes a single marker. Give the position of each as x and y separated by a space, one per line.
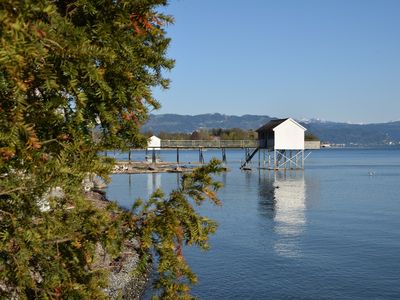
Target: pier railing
209 144
192 144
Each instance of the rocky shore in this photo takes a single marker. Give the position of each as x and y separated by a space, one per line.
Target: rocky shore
138 167
135 167
124 283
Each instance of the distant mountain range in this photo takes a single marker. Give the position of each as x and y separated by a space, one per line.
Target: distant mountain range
329 132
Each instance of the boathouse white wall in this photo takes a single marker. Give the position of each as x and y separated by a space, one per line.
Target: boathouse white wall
289 135
154 143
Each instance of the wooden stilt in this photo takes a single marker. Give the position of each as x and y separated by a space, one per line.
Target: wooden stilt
201 157
223 155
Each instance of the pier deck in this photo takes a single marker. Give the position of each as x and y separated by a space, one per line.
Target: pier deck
194 144
233 144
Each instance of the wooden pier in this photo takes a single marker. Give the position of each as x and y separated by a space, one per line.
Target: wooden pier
266 158
221 144
200 146
281 142
209 144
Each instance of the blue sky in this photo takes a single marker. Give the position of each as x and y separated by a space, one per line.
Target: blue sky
331 59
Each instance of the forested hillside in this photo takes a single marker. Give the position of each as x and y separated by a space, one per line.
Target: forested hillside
331 132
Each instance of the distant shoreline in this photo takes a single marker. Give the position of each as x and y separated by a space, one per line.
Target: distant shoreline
363 147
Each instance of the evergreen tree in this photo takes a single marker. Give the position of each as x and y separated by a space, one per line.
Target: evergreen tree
71 71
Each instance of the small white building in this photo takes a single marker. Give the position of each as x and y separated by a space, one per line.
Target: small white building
282 134
285 138
154 143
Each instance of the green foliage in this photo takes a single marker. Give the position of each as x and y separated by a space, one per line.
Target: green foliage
208 134
310 137
235 134
162 225
76 78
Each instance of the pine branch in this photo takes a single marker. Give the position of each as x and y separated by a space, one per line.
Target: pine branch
2 193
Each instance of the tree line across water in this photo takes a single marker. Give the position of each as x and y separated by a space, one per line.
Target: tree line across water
216 134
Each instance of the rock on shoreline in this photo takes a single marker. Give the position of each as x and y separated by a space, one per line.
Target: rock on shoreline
124 167
123 282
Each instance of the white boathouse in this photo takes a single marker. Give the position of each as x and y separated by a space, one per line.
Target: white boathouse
153 143
281 134
285 139
282 142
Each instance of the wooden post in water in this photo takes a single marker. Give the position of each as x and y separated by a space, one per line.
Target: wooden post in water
153 157
201 157
129 155
177 156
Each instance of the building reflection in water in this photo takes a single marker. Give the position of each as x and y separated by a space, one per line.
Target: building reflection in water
283 199
153 182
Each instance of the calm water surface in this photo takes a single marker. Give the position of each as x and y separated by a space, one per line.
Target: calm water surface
329 232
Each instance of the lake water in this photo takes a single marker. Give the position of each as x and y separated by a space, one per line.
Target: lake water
331 231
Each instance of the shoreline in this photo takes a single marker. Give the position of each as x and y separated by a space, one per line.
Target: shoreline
135 167
123 282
